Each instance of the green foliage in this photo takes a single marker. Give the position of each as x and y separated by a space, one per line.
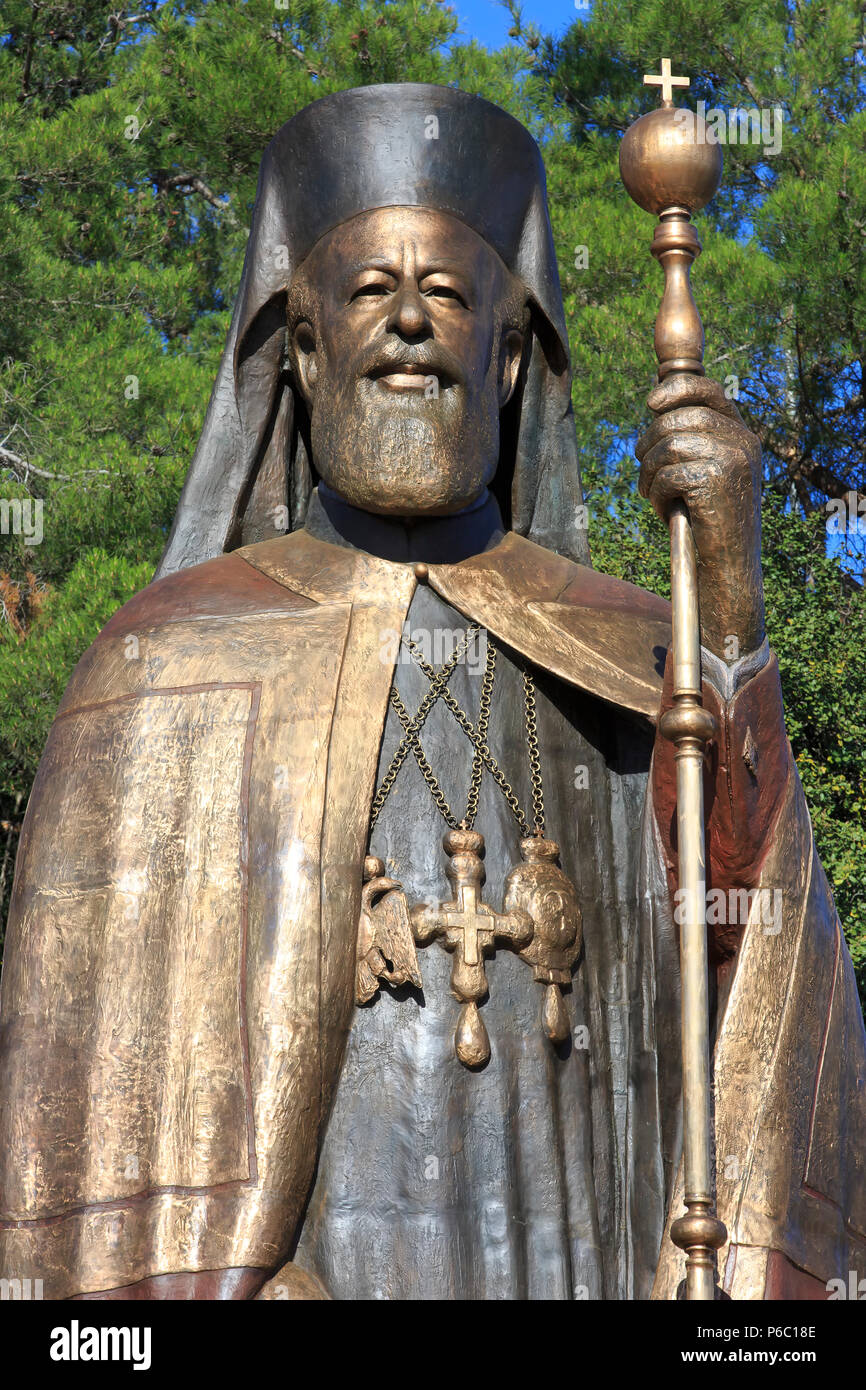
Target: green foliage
132 136
816 623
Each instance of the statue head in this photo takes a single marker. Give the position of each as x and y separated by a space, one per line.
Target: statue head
398 333
406 334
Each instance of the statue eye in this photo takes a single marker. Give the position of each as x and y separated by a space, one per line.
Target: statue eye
444 292
375 289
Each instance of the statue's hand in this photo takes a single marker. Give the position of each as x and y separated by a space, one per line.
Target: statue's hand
699 451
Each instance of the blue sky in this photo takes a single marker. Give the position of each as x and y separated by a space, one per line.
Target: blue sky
489 22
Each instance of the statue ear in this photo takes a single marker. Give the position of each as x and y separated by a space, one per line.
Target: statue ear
511 347
303 359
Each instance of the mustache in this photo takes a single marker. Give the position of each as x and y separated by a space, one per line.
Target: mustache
429 359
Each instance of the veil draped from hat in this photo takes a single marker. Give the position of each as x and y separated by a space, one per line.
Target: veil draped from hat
395 145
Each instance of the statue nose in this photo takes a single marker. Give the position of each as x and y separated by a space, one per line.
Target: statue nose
408 314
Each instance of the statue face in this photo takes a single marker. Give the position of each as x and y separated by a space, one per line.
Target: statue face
405 352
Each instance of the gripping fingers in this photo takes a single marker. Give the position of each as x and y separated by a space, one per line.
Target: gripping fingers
691 420
688 458
680 389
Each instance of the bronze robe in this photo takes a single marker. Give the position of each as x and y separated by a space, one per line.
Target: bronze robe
178 982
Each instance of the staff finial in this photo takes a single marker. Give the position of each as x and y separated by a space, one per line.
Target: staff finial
665 81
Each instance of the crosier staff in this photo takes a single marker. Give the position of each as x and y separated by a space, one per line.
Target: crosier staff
669 168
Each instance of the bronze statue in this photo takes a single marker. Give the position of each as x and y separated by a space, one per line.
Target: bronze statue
378 736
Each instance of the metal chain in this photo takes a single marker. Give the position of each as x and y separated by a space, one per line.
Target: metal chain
437 685
479 744
531 718
426 770
477 736
483 721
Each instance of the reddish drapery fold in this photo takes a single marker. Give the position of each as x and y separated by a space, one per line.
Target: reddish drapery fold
745 776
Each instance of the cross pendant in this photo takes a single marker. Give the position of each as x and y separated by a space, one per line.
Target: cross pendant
470 930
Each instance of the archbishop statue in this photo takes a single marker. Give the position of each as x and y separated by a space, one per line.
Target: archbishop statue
343 952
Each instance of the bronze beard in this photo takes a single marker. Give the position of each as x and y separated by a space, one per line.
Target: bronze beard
408 452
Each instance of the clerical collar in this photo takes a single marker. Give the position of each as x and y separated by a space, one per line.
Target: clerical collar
439 540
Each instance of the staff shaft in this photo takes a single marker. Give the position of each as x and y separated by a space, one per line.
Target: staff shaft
672 173
690 744
679 347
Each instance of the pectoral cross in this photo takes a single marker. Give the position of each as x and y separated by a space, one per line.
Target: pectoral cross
666 82
470 929
466 924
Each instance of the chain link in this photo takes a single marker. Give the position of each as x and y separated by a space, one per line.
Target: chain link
438 683
483 721
477 736
481 747
531 719
426 770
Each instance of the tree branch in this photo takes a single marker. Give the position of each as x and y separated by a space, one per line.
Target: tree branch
189 183
16 461
28 56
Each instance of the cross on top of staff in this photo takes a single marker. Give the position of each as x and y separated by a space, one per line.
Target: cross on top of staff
666 82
